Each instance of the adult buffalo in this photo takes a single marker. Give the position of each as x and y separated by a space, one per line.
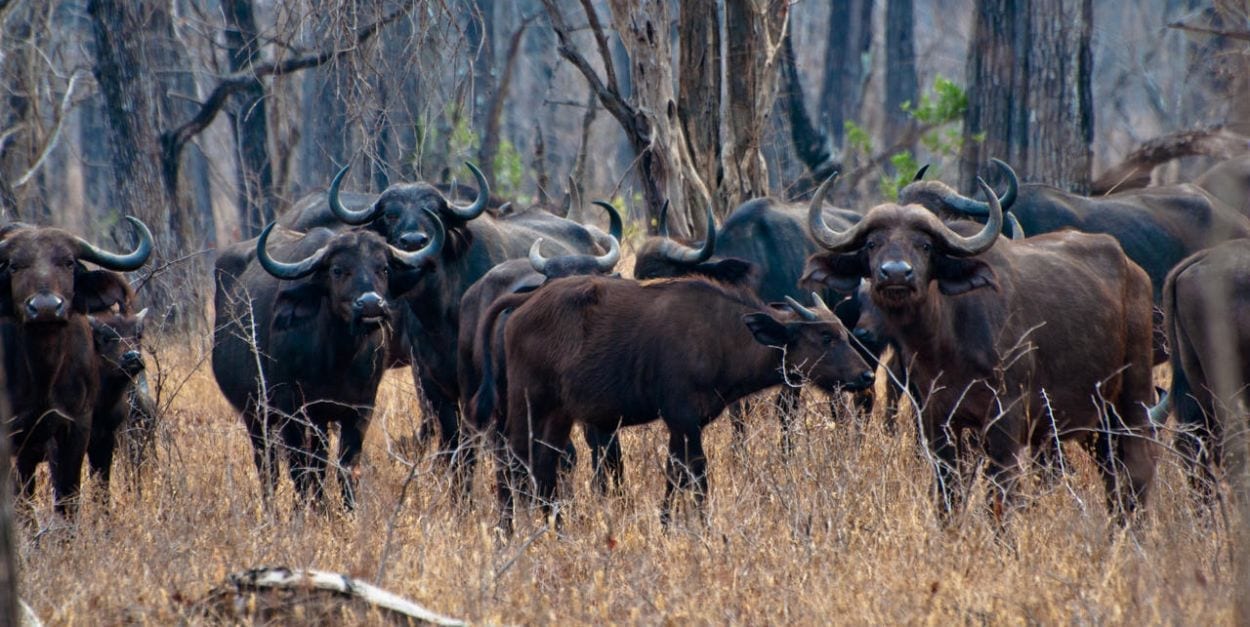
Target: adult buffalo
764 242
1156 226
49 359
476 241
1010 363
313 210
1207 305
301 344
610 352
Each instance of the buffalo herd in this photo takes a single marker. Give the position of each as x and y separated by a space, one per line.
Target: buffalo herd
1014 322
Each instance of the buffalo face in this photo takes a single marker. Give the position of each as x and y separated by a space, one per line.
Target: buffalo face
351 275
817 346
118 342
902 250
42 281
407 215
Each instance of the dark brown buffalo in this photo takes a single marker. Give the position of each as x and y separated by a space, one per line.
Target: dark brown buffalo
996 334
1207 304
50 364
525 275
317 329
123 409
612 353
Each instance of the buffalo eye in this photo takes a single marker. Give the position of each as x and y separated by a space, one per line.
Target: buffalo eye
827 338
384 270
392 217
926 246
870 245
338 272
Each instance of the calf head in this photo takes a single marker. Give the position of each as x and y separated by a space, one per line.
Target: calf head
662 258
43 280
902 249
118 342
817 346
406 214
351 275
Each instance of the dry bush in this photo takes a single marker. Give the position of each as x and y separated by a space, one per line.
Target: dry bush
845 530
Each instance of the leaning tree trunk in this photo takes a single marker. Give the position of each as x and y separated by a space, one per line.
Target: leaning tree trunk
900 68
753 32
698 103
254 169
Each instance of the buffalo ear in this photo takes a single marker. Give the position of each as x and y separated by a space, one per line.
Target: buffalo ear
297 305
956 276
840 273
527 283
732 271
767 329
100 290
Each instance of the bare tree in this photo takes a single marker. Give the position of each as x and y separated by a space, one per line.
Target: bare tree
849 40
900 67
699 100
254 170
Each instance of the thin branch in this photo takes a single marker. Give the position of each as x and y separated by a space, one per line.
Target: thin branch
1134 171
601 40
66 102
174 140
1231 34
611 98
881 158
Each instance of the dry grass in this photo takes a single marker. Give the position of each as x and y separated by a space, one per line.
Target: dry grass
843 531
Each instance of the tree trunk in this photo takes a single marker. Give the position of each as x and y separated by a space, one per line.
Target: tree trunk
479 36
657 135
698 102
1060 103
850 38
124 37
900 68
20 69
254 169
753 31
325 138
1029 97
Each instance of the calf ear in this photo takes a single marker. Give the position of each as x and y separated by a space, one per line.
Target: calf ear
297 305
957 276
100 290
767 329
840 273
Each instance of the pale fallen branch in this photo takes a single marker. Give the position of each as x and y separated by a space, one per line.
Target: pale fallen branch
238 596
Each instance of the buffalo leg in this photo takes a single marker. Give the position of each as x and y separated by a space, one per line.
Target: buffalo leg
738 420
351 444
66 470
28 458
297 441
1126 459
686 468
100 459
554 434
1198 436
451 444
605 452
1002 447
945 450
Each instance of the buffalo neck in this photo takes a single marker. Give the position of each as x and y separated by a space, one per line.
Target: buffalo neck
47 349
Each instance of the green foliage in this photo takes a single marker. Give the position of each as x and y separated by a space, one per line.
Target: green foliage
905 169
509 170
464 141
857 138
946 104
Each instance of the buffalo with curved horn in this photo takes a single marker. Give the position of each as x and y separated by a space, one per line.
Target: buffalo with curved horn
995 330
52 382
318 328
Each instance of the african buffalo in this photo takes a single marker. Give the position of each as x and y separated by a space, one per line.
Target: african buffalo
119 407
317 329
313 210
1207 308
612 353
996 332
49 358
476 242
525 275
767 240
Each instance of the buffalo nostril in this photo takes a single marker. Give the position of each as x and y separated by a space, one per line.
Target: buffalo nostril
131 356
868 376
413 241
895 270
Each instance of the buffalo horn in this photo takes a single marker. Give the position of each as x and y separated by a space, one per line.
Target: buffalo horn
961 246
113 261
536 257
281 269
804 312
468 212
920 173
345 215
973 207
678 253
825 236
415 258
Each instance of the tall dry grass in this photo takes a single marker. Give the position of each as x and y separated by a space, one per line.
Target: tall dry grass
843 531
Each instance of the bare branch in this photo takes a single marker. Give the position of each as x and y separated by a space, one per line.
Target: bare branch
609 96
66 103
1231 34
601 41
881 158
1134 171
